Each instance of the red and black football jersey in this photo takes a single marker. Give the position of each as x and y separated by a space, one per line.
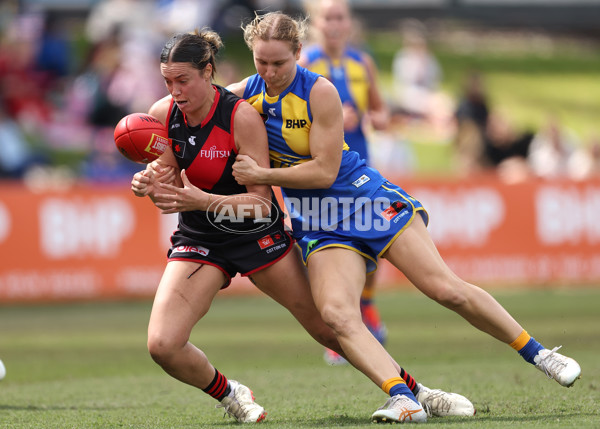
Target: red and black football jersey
207 153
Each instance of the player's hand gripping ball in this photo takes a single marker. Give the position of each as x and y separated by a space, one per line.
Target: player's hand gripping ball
141 138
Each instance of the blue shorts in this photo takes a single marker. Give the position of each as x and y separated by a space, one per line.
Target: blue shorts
371 229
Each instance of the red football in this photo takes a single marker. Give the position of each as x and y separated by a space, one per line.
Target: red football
141 138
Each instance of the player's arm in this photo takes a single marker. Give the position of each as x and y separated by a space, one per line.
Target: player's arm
238 88
250 137
160 110
162 170
325 142
378 112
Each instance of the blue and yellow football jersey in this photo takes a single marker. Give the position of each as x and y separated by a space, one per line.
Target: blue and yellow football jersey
350 76
288 120
361 211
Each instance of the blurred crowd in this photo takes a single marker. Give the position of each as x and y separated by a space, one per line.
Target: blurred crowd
65 81
483 138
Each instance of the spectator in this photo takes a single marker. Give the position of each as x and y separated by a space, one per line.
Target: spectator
16 156
585 161
416 72
551 149
472 114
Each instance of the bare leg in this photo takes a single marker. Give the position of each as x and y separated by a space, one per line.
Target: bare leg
415 254
337 277
180 302
287 283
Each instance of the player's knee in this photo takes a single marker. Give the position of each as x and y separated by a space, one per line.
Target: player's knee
450 294
161 348
339 319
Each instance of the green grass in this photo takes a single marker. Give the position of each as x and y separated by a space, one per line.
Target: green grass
86 365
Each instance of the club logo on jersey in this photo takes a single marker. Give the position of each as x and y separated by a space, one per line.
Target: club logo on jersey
213 153
178 148
361 180
310 246
230 215
395 208
272 111
295 123
192 140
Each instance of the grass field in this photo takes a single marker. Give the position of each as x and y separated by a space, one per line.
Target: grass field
86 365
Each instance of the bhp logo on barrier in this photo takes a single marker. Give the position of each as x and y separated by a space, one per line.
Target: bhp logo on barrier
71 228
463 217
567 215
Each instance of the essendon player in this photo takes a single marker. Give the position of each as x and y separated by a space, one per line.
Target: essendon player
224 228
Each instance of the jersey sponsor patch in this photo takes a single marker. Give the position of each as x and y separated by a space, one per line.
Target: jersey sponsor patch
190 249
361 180
271 240
394 208
214 152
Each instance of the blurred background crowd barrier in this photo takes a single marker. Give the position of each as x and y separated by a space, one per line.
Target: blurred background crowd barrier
91 243
495 107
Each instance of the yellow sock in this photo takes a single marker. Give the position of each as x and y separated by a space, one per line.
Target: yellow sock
388 384
367 294
521 340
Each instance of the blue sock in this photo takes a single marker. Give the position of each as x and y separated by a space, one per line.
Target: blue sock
530 350
402 389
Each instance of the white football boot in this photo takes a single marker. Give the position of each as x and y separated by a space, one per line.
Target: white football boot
240 404
561 368
400 409
438 403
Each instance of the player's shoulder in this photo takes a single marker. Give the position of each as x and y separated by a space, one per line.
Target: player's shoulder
324 87
160 109
238 88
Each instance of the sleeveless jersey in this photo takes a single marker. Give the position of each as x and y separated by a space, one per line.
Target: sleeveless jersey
288 120
350 76
207 153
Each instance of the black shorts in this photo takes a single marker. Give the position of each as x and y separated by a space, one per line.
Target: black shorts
239 253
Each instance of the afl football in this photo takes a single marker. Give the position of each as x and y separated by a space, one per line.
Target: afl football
141 137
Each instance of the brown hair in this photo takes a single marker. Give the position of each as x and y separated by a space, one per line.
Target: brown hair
198 48
275 26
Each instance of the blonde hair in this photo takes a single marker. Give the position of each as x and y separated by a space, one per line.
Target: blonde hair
275 26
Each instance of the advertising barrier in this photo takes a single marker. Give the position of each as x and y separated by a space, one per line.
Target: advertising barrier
88 242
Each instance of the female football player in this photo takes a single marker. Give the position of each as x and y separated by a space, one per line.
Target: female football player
345 216
353 73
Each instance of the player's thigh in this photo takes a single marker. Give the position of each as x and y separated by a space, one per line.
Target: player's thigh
183 297
337 277
286 281
415 254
